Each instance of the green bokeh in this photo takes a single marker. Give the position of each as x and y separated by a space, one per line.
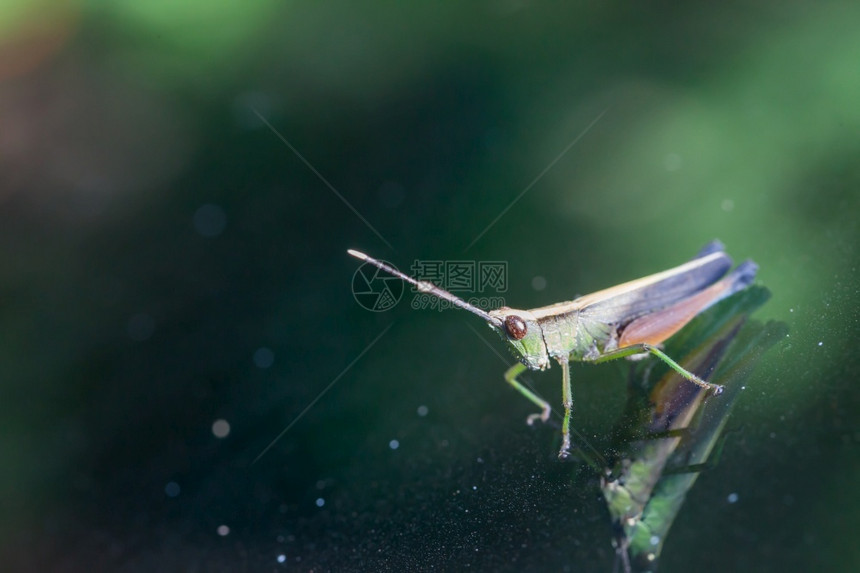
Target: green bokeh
427 122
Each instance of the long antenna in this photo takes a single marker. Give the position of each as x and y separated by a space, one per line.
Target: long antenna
427 287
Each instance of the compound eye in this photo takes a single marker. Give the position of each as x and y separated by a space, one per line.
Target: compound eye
516 327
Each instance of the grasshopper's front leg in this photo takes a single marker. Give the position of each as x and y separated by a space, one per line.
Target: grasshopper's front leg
511 378
645 347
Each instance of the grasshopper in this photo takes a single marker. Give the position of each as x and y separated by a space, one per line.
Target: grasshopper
626 320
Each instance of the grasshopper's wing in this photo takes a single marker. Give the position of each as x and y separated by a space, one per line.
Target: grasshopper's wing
627 301
655 327
714 246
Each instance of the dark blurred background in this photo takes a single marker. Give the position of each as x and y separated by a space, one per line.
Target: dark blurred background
179 183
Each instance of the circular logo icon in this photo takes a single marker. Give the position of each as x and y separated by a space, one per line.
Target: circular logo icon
376 290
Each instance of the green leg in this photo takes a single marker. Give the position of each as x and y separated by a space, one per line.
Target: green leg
511 377
567 399
644 347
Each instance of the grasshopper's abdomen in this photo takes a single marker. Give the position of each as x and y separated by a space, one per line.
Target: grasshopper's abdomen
571 337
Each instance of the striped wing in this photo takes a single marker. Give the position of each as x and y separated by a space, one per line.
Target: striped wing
633 299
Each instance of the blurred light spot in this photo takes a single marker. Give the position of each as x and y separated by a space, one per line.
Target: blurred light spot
77 172
393 444
223 530
654 540
141 326
391 194
320 502
728 205
282 558
821 343
31 32
221 428
263 357
672 162
171 489
210 220
173 40
733 498
423 411
538 283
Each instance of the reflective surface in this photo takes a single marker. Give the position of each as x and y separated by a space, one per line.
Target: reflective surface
178 189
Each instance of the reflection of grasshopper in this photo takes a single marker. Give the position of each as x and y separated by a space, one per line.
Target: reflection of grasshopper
620 321
671 430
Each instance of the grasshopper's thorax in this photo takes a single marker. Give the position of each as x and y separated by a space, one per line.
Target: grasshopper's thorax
521 330
570 335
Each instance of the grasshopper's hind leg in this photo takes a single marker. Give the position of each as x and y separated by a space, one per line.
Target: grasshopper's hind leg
511 378
645 347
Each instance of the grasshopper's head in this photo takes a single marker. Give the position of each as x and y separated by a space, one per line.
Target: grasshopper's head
520 329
